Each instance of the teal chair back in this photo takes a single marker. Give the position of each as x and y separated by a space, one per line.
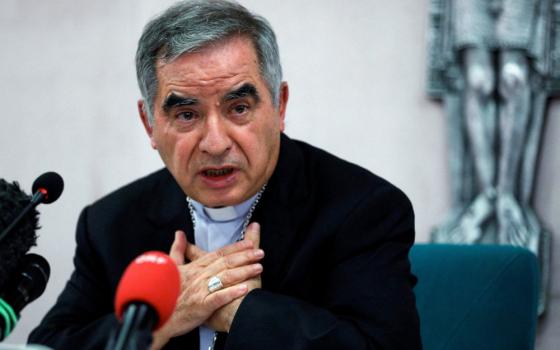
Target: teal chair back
476 297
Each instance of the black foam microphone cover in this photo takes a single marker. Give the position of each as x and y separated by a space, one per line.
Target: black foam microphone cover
28 282
51 184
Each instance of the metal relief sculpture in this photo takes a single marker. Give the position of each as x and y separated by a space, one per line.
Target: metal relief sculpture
494 63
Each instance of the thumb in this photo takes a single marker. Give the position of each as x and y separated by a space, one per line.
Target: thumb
177 251
254 234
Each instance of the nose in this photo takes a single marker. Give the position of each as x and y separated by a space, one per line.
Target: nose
215 139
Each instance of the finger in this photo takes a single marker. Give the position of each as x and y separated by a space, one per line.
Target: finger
253 234
224 296
177 251
240 274
192 252
234 248
234 260
225 251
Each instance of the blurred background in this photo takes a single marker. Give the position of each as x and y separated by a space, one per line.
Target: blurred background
357 76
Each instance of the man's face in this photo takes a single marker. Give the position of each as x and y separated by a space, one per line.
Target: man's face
215 125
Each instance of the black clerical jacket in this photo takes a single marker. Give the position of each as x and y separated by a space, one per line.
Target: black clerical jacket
336 270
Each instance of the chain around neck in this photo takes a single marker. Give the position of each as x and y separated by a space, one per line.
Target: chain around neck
247 217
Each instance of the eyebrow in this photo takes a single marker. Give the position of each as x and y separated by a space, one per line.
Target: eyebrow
245 90
174 100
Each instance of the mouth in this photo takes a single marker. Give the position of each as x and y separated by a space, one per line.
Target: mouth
219 178
217 173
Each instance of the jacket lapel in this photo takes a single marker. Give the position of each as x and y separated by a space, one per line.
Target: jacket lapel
168 210
280 212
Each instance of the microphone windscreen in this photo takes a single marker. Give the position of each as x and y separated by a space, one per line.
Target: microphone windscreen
152 278
28 282
14 246
51 183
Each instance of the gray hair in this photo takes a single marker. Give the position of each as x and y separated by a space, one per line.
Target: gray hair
190 25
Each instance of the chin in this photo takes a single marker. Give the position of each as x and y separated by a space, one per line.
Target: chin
217 201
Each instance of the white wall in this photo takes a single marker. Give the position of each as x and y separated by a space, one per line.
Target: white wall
356 73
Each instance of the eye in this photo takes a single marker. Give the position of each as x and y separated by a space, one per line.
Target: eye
186 116
240 109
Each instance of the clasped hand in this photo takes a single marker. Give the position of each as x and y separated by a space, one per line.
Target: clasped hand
237 267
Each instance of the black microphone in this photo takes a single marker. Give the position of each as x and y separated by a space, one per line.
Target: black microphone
22 277
12 249
26 284
46 189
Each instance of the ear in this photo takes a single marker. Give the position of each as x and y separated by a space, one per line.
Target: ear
146 122
283 103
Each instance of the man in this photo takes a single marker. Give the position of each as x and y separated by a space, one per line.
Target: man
324 262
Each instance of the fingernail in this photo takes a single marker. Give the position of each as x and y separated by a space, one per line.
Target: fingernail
242 288
257 267
259 253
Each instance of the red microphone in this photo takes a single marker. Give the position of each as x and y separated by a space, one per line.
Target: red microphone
145 299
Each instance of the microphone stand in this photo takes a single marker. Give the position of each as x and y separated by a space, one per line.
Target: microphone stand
135 332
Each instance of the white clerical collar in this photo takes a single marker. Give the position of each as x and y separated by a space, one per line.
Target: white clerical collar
224 214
